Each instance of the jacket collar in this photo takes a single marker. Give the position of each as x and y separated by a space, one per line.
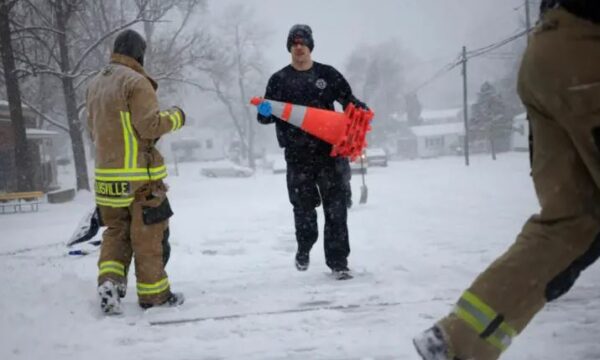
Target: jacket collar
133 64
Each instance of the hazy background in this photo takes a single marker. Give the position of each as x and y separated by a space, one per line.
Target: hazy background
402 57
432 32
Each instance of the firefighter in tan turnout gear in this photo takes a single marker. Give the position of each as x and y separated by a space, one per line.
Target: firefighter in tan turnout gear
125 123
559 84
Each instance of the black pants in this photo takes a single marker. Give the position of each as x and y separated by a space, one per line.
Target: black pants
309 185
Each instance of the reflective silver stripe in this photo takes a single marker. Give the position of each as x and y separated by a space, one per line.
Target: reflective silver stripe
297 115
131 174
129 140
484 321
501 337
133 141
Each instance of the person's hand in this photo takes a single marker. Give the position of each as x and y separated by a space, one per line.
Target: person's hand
181 113
360 105
265 109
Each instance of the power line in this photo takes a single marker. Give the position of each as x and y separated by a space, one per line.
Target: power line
496 45
442 71
470 54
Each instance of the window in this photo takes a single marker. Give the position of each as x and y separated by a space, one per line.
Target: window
434 142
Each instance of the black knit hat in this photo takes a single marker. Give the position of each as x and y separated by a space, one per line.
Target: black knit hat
132 44
300 32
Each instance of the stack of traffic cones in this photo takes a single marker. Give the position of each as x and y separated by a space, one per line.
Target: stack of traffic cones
345 131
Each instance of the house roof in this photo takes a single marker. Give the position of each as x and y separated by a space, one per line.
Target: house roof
440 114
439 129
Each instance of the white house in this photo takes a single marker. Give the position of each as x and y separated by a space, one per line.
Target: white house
442 116
196 144
439 139
520 137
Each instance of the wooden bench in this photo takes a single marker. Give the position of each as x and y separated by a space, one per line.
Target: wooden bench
17 200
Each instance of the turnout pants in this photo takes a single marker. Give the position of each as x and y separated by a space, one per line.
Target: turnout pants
309 184
140 230
559 83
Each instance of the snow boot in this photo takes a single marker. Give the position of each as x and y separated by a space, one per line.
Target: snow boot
431 345
110 301
302 260
342 274
175 299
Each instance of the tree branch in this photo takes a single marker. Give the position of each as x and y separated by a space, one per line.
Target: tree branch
46 117
91 48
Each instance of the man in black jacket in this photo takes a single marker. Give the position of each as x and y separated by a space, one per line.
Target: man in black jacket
313 176
559 84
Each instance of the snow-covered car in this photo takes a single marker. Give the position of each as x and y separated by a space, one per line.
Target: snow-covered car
355 166
227 170
376 157
279 166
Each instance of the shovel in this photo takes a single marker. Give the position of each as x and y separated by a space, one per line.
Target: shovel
364 192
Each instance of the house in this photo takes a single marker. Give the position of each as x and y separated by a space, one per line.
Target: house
197 144
520 137
40 144
439 139
442 116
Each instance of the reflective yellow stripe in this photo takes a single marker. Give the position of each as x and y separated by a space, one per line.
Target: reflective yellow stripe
480 316
126 142
134 143
153 289
114 202
479 305
137 174
179 120
114 267
130 141
173 119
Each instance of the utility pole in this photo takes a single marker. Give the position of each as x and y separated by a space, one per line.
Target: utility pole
530 136
527 18
465 104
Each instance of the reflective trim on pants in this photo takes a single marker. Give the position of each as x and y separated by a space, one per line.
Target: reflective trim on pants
484 320
113 267
153 289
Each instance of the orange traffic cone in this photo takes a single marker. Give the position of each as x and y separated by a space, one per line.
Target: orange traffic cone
345 131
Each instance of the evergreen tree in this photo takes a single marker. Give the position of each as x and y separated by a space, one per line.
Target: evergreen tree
490 127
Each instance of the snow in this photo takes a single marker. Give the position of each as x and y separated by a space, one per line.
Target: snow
438 129
428 228
443 114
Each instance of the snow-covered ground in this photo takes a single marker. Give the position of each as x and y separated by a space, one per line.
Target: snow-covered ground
428 228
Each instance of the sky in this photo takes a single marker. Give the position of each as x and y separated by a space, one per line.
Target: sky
433 31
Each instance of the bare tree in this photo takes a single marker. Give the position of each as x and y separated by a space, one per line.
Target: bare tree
22 158
63 42
58 28
236 70
376 74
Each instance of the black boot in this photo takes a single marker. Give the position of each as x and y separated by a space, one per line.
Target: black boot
342 273
175 299
302 260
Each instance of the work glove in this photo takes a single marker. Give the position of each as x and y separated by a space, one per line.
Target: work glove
360 105
265 109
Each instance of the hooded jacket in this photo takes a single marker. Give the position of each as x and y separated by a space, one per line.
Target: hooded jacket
125 122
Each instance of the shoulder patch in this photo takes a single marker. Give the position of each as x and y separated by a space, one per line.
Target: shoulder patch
108 69
321 84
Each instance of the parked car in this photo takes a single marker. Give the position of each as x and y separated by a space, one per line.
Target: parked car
226 170
279 166
355 166
376 157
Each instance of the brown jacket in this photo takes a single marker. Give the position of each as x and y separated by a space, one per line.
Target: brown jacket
125 122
